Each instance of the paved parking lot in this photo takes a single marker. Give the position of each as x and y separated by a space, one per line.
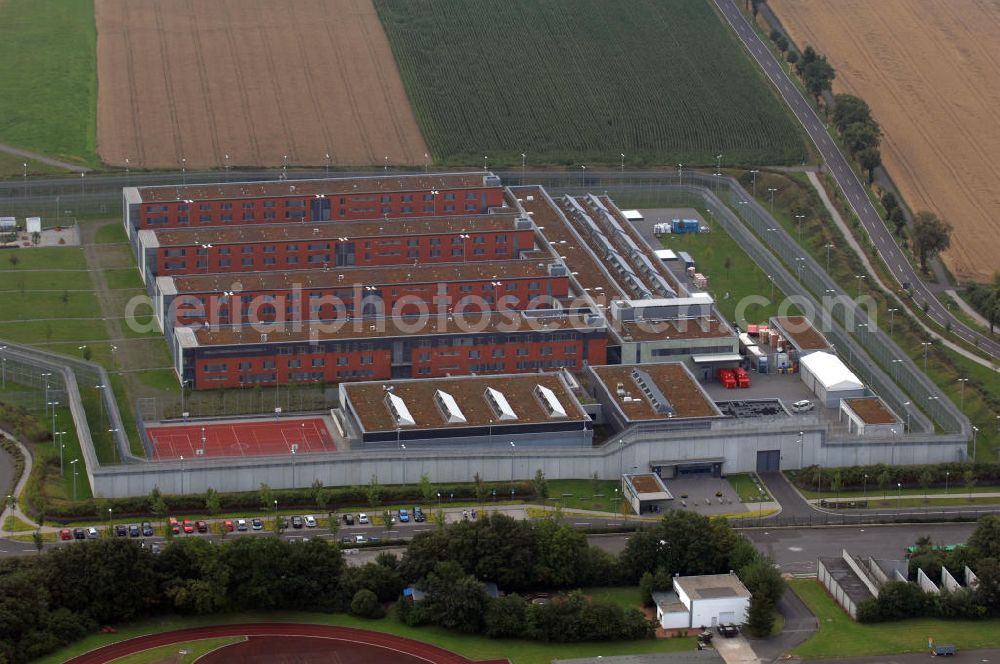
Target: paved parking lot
787 388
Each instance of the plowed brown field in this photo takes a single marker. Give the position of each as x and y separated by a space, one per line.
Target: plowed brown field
930 70
195 80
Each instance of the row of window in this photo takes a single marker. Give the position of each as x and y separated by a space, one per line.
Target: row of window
495 353
315 363
525 365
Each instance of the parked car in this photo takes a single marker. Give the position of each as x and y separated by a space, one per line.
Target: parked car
803 406
147 529
404 516
65 534
374 539
363 518
174 526
92 533
418 515
359 539
121 530
349 519
133 530
728 631
188 526
257 524
241 525
297 522
346 541
227 525
155 548
79 533
310 520
201 526
284 522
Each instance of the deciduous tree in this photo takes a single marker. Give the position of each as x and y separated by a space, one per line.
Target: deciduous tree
930 236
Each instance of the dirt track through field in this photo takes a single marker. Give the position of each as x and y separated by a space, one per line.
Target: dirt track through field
930 71
190 81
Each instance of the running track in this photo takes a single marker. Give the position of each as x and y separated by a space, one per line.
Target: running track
425 651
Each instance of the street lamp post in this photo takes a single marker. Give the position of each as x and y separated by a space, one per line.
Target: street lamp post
583 176
753 179
680 174
801 442
891 311
3 363
73 466
524 159
828 246
771 191
513 449
906 405
947 478
403 447
799 218
864 491
961 406
623 163
859 277
975 430
899 491
926 345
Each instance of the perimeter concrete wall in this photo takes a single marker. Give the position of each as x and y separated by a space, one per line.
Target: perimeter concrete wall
459 463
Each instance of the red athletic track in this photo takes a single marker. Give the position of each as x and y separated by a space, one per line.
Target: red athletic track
251 438
425 651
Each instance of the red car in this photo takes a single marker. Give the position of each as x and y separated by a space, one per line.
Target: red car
188 526
175 527
228 525
202 526
65 534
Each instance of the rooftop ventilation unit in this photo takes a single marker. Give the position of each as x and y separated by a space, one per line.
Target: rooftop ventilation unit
661 404
549 401
449 407
491 180
498 402
400 413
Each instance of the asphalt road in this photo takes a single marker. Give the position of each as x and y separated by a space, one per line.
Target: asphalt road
795 549
968 656
854 191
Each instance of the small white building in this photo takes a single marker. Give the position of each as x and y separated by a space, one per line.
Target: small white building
830 379
869 417
707 600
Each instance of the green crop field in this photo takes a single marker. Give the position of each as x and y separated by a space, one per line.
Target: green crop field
582 81
49 74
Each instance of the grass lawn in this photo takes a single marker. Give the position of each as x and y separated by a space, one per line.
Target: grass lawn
745 486
583 494
14 524
473 647
192 649
49 72
25 281
839 636
729 286
43 258
12 166
39 332
81 304
627 597
110 234
124 278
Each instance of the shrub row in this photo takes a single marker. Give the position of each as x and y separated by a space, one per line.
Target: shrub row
954 474
330 497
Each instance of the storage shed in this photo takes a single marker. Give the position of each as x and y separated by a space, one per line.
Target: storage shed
830 379
711 599
869 417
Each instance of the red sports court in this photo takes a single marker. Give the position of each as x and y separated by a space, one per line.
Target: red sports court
241 438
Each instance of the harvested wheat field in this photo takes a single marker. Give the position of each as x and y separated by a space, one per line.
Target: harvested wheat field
195 80
930 71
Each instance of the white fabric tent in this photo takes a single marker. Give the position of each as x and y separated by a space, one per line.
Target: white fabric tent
829 379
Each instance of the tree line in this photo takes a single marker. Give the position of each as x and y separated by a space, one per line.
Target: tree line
62 595
899 600
885 477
